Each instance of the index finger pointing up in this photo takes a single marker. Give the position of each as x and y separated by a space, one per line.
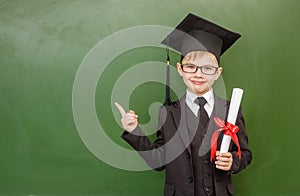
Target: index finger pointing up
120 108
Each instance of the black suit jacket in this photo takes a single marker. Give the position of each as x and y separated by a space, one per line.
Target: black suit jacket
171 150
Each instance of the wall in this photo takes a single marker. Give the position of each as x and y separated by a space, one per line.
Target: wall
42 45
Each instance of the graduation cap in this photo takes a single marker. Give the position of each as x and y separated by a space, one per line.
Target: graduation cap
194 33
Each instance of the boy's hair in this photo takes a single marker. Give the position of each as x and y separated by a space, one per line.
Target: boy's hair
199 53
181 58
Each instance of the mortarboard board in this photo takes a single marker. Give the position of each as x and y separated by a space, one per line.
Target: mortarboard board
194 33
197 34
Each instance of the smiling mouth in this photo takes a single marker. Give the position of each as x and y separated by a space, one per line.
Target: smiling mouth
198 82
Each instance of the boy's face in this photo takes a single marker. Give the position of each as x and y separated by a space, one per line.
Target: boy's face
199 83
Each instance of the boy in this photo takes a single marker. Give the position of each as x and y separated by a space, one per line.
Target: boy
185 127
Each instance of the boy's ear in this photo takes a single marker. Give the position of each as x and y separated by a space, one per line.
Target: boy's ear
220 69
179 69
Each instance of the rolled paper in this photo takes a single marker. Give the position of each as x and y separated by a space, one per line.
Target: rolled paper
235 102
228 129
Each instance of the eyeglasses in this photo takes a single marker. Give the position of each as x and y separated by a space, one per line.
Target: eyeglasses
206 69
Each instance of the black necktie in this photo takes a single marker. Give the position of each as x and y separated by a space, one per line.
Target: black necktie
201 101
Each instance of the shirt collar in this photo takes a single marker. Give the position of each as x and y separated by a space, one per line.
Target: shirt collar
191 97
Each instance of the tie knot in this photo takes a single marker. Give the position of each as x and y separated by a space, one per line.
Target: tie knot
201 101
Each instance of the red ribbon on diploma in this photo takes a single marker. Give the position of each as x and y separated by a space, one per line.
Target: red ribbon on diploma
228 129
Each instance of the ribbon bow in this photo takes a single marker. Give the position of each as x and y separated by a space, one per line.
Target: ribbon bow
228 129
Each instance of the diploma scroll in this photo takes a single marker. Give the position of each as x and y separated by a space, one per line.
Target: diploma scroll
235 102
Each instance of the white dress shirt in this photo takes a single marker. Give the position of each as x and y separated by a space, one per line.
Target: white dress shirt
209 106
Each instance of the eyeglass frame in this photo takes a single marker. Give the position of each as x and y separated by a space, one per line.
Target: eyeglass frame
199 67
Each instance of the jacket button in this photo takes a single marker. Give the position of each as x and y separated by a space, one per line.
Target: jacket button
206 161
207 175
207 189
190 179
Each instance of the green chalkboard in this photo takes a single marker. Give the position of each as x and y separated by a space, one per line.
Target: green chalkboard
45 44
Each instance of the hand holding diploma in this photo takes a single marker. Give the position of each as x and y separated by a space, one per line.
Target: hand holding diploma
129 120
229 128
223 160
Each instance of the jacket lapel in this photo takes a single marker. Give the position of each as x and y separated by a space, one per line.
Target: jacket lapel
220 107
221 111
179 117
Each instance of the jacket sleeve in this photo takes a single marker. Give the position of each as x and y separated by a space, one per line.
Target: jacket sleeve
152 152
246 158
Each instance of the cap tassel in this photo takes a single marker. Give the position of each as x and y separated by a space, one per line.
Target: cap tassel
168 94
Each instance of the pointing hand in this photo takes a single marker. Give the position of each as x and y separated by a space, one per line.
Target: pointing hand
129 120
